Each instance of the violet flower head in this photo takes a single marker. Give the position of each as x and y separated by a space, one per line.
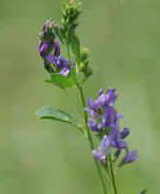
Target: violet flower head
104 120
101 111
49 50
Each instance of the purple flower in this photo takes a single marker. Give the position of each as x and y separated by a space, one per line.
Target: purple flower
47 47
93 125
99 155
47 40
130 157
124 133
102 151
116 141
43 48
110 117
54 63
65 71
49 50
104 119
62 65
103 100
101 111
113 140
108 98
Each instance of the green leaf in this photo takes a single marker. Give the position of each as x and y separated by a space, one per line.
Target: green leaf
61 81
75 46
54 114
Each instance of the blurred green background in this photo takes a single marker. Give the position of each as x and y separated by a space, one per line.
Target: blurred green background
43 157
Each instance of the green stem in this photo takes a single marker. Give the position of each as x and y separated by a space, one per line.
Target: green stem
113 177
98 167
76 126
68 51
99 170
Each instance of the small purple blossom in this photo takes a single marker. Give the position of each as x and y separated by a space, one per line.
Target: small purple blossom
99 155
65 71
103 150
48 47
113 140
124 133
101 111
116 141
50 52
130 157
62 65
43 48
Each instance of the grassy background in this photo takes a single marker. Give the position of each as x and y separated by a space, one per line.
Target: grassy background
42 157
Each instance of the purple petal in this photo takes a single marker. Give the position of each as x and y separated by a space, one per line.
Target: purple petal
110 117
105 143
116 140
91 104
52 59
130 157
65 71
111 96
99 155
43 48
92 125
124 133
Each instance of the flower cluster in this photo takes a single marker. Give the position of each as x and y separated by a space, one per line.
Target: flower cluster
104 120
49 49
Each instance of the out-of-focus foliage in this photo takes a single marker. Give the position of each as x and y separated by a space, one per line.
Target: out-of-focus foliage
45 157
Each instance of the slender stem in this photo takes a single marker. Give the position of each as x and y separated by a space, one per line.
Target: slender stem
113 177
98 167
99 170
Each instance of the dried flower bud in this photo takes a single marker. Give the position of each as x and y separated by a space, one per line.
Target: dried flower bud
48 30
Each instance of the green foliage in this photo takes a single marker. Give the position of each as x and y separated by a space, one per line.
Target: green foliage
71 11
62 81
54 114
75 47
84 65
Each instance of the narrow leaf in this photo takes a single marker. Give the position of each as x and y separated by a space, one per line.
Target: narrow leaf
54 114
